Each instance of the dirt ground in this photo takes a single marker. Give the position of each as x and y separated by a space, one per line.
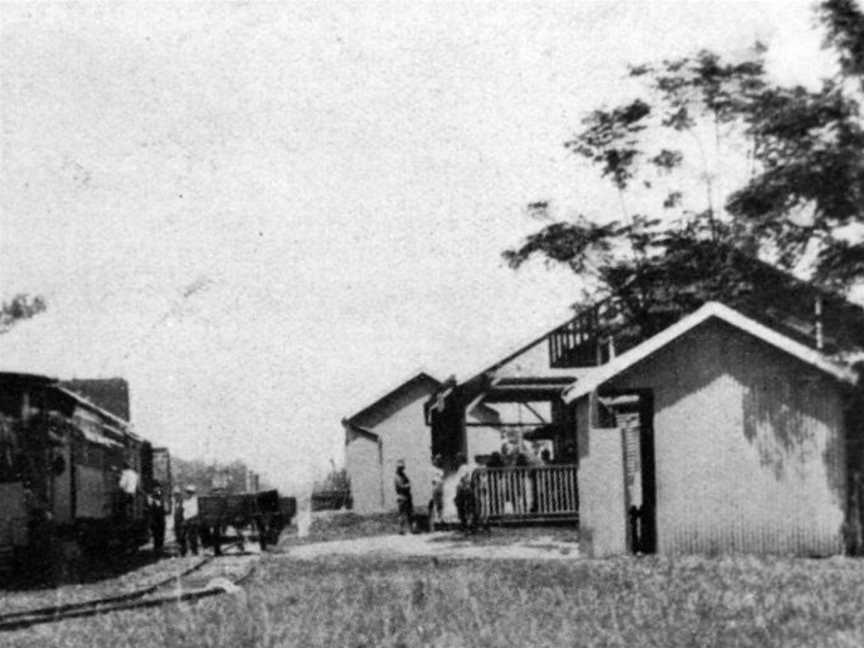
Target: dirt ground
446 544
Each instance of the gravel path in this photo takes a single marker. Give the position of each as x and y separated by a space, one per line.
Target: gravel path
442 545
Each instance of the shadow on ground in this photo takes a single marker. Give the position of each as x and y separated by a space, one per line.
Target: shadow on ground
57 571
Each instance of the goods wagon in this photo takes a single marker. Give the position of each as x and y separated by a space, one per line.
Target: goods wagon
265 512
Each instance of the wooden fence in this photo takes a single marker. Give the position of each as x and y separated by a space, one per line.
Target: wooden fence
530 493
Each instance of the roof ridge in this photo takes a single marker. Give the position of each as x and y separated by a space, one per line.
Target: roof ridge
391 391
710 309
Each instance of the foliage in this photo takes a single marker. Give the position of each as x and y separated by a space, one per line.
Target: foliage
201 474
335 480
19 308
333 492
793 157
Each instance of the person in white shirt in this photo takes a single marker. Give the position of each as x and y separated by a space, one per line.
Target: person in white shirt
128 480
188 516
128 485
436 506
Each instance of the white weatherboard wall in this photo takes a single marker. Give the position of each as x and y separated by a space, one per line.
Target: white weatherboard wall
362 462
749 446
534 362
602 503
401 427
405 435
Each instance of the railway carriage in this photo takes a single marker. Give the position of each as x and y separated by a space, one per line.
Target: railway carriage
61 457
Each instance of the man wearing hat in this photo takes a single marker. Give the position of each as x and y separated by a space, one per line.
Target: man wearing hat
403 497
156 513
186 521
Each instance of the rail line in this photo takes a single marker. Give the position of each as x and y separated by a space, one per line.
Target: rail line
136 599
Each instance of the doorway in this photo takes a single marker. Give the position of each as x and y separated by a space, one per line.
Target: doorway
633 412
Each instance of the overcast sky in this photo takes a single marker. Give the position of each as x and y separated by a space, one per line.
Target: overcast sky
263 215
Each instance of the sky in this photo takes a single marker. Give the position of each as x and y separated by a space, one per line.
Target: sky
265 215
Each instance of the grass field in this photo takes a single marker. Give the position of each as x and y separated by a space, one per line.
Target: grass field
365 601
413 602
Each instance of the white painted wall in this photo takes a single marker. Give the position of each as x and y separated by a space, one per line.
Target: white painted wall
602 505
404 435
364 470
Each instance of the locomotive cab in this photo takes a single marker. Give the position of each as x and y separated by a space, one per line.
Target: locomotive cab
61 461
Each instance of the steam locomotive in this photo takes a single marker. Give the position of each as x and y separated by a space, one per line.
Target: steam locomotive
61 460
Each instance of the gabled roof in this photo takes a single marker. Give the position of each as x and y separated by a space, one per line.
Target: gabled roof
109 421
479 381
383 400
353 431
111 394
810 356
26 378
515 353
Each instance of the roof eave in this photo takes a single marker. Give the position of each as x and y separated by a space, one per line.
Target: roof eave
608 371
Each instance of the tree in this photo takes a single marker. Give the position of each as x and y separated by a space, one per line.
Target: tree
20 307
332 492
793 160
205 475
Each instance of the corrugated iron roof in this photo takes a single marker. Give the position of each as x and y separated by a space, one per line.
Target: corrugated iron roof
121 427
808 355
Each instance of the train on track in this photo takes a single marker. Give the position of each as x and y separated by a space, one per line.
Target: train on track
61 462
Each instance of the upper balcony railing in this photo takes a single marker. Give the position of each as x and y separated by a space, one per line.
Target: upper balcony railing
585 341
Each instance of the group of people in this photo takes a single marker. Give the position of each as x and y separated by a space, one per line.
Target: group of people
186 526
457 484
463 499
187 530
519 455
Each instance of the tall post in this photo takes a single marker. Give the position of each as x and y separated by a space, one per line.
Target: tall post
596 333
817 310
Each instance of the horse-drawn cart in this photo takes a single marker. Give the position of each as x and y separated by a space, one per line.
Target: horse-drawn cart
264 513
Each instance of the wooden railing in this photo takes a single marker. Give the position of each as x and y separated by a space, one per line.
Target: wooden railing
527 493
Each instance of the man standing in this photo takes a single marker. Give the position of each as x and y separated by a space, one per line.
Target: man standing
187 516
403 497
156 511
177 498
465 500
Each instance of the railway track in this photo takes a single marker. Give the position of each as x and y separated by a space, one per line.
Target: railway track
165 591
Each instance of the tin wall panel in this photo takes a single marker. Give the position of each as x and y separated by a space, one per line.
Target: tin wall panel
748 446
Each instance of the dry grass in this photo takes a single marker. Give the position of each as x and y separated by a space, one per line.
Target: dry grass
342 525
740 601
